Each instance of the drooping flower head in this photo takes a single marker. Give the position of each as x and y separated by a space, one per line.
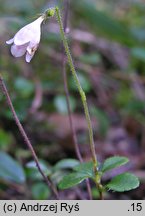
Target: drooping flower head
26 40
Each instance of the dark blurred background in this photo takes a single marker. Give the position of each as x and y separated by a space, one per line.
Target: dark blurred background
107 40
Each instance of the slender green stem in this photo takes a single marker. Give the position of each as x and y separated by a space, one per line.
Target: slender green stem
65 81
82 94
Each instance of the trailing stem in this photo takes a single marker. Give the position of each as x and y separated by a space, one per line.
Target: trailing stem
26 139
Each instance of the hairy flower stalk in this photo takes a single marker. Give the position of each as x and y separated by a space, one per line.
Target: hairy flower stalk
82 94
64 72
26 40
83 98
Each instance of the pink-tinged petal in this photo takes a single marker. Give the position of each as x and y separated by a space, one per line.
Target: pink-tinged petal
29 57
10 41
23 36
18 51
30 32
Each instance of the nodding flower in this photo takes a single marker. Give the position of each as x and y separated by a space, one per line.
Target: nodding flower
26 40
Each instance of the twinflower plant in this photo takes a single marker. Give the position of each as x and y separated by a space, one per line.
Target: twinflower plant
26 41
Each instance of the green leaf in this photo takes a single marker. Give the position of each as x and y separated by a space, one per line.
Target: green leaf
123 182
113 162
71 180
11 170
85 169
82 171
66 164
40 191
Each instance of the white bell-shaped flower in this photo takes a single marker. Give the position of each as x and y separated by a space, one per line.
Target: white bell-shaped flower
26 40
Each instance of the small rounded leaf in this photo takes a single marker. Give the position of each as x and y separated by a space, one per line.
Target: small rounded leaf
113 162
123 182
71 180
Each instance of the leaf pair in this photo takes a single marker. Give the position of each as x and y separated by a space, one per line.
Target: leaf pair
120 183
